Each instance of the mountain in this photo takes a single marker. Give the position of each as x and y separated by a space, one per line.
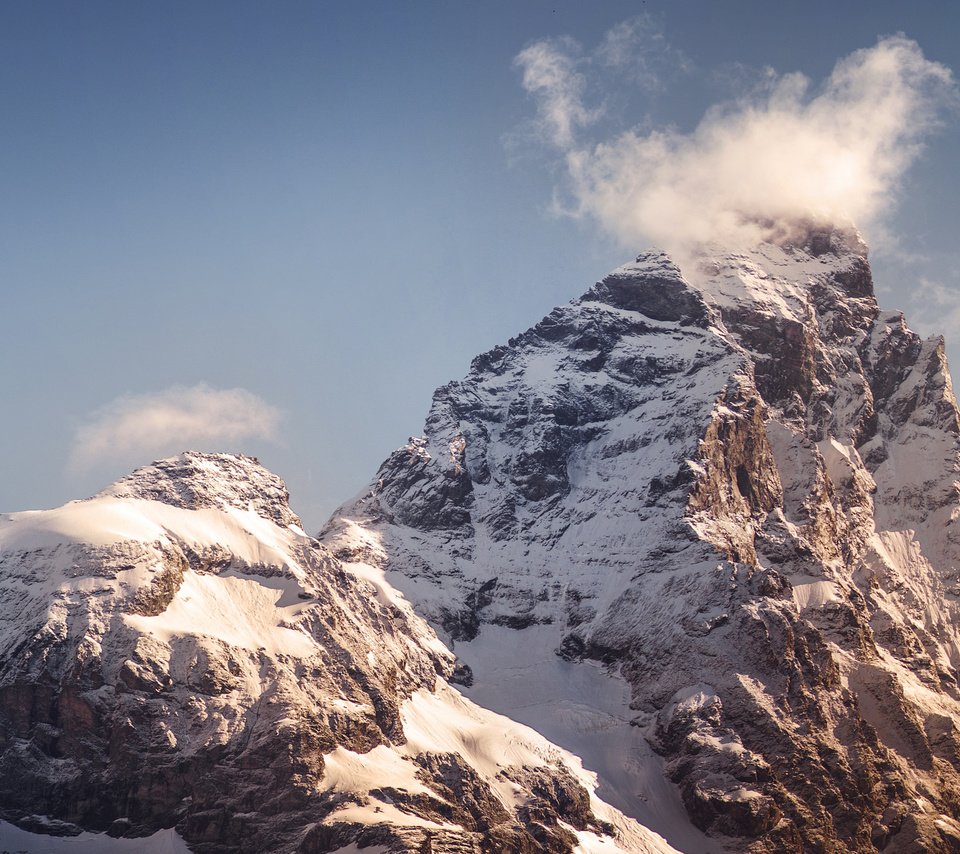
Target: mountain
177 653
689 548
699 527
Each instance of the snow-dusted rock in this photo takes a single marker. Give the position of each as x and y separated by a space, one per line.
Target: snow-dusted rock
177 653
700 527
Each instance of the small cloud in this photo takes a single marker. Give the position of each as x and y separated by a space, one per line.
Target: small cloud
142 427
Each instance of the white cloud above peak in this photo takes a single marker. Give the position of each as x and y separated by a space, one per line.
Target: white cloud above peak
782 152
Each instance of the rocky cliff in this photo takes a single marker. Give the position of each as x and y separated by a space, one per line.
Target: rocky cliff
700 527
177 653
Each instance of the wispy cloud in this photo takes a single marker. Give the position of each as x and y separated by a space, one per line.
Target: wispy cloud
141 427
561 77
782 152
639 50
551 74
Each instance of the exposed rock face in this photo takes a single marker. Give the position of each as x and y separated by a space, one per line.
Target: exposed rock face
176 652
736 487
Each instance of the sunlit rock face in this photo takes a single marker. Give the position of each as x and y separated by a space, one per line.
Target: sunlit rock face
728 492
177 653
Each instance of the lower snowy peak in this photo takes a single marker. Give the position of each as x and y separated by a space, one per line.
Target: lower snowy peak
176 653
700 528
220 481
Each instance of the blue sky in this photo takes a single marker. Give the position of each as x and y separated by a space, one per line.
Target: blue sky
334 206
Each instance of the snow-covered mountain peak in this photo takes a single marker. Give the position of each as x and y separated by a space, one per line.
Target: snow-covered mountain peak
813 266
195 480
653 286
732 482
813 237
177 652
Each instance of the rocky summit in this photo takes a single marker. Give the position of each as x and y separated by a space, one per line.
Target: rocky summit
699 526
677 569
